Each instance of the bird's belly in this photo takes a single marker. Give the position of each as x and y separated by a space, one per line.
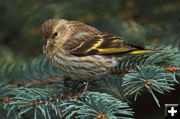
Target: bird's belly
81 72
82 68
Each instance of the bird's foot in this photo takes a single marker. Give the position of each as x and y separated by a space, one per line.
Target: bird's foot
85 89
86 86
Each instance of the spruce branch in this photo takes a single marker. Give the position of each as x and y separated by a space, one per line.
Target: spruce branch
33 100
110 84
152 78
94 105
170 57
47 102
126 70
39 69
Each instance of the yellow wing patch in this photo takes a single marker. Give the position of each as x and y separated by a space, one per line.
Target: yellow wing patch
100 41
112 50
141 52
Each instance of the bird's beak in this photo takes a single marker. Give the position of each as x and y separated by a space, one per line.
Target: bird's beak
49 42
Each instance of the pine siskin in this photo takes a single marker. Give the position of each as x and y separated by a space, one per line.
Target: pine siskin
82 52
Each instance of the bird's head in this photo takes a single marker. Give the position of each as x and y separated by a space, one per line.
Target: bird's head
54 33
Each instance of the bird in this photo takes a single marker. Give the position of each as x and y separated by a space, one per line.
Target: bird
82 52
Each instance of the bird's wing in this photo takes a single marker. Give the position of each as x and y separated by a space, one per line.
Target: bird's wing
104 44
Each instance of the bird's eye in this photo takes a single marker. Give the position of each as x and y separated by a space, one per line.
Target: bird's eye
55 34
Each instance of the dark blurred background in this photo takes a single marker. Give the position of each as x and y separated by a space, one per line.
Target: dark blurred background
141 22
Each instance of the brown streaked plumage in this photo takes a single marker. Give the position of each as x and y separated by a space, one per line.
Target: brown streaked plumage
82 52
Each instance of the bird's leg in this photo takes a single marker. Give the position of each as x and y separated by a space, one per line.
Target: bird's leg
72 85
86 87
